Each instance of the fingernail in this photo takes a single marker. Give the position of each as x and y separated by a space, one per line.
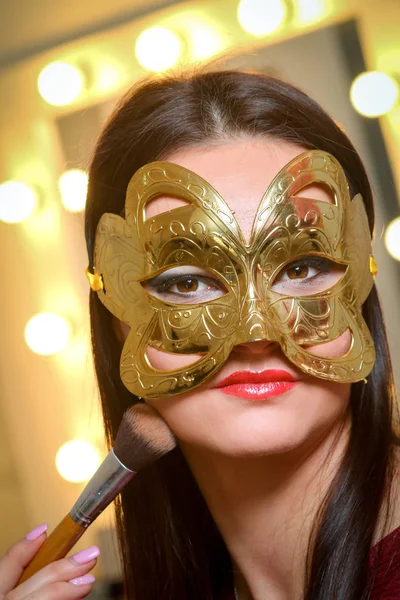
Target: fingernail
85 555
83 580
35 533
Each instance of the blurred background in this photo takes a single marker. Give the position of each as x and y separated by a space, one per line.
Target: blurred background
64 65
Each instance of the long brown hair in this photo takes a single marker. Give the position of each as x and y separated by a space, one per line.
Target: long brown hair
170 545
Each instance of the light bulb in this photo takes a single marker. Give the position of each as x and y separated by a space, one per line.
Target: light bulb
392 238
60 83
261 17
73 187
157 49
77 460
47 333
17 201
373 93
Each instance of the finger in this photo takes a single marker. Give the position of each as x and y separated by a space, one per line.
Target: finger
13 562
60 591
58 571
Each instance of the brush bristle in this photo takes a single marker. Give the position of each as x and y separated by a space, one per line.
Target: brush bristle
142 437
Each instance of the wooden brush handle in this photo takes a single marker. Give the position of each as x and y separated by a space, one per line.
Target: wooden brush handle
57 545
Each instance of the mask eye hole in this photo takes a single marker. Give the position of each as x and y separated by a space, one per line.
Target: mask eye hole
161 204
336 348
185 285
307 275
315 191
169 362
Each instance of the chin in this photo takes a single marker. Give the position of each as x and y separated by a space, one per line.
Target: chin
220 424
270 441
254 438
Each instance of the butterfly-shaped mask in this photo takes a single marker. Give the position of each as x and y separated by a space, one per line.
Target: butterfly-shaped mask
204 233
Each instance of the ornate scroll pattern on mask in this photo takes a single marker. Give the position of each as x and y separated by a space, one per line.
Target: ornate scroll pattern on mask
340 232
204 233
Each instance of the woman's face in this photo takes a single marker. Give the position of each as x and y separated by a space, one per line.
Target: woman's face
233 420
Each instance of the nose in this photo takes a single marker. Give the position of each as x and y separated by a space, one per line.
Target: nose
253 325
261 347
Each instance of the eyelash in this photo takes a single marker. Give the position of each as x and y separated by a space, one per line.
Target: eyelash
161 285
323 265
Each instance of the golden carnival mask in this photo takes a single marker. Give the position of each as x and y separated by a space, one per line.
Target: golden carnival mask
203 233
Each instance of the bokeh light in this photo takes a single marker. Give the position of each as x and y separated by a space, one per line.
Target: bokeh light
47 333
157 49
261 17
73 186
205 40
310 11
77 460
17 201
373 93
60 83
392 238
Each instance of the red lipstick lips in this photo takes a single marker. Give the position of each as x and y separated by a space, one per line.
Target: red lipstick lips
257 386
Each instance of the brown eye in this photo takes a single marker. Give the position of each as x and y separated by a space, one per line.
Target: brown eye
297 272
187 285
307 275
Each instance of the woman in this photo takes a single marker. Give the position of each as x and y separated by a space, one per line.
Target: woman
278 384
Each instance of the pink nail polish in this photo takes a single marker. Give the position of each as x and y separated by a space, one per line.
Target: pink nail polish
85 555
83 580
35 533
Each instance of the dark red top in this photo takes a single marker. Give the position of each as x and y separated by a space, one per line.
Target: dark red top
387 578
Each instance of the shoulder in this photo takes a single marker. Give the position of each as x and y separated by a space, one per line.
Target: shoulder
393 497
389 518
385 567
385 554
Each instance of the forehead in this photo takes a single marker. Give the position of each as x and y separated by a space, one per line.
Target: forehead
240 171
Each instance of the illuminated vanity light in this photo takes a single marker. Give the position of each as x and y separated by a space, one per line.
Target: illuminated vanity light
392 238
109 76
77 460
260 17
60 83
47 333
157 49
310 11
17 201
373 93
73 186
205 41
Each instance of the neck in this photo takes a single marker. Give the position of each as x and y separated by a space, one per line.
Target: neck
265 508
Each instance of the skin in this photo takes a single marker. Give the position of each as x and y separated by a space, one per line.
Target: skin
263 467
50 583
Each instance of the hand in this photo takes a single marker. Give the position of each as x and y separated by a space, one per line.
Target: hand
64 579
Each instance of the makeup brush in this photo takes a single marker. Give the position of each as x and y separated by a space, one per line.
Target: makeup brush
142 438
